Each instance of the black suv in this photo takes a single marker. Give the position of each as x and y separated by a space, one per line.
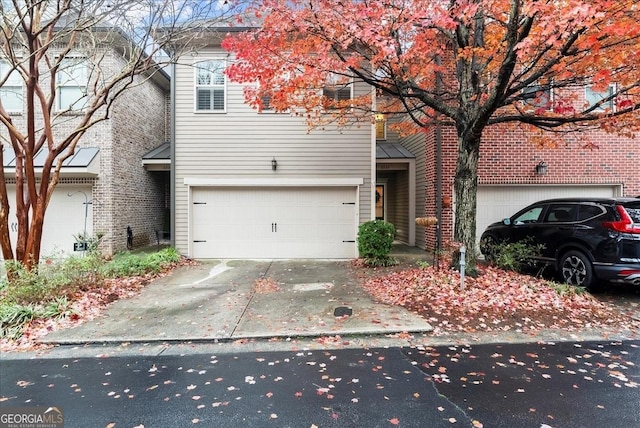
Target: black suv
584 239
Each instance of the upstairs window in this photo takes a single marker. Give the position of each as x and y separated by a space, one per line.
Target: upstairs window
593 97
266 106
537 96
11 93
72 80
210 86
336 90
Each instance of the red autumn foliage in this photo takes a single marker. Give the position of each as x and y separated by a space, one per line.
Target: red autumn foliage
495 300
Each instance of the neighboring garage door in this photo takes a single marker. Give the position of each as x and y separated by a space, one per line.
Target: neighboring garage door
65 217
270 222
498 202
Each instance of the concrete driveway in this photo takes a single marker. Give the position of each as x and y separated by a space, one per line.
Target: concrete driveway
237 299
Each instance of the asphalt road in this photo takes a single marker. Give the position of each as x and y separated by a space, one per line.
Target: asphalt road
525 385
625 297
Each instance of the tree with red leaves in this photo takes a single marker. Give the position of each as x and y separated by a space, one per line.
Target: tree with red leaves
46 42
470 64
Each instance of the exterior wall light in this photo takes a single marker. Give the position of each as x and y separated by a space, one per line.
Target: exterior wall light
542 168
274 164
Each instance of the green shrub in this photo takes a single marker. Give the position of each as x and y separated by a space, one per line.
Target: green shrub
375 240
130 264
13 316
567 289
515 256
42 292
26 286
423 264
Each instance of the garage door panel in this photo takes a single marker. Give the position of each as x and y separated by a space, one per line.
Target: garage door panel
274 222
495 203
64 219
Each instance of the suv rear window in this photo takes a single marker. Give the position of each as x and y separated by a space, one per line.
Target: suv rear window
633 209
589 211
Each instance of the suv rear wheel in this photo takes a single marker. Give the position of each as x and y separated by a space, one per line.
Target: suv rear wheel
576 269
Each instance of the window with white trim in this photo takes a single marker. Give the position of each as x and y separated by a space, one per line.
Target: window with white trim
210 83
11 92
593 97
537 96
336 90
266 104
72 80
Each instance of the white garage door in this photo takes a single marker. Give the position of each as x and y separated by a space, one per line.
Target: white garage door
65 217
498 202
270 222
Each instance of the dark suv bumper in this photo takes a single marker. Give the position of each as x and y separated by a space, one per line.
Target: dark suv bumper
619 273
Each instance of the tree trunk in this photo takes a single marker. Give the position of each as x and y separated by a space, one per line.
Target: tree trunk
34 239
5 239
465 188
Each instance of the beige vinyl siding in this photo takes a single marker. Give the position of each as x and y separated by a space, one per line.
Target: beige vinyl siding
416 145
401 206
242 142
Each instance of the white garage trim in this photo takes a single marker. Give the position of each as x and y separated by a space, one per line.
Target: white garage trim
273 222
273 182
495 202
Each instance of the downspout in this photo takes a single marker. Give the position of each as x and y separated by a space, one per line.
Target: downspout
373 159
172 145
438 165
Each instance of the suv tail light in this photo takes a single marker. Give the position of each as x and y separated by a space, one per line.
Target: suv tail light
625 224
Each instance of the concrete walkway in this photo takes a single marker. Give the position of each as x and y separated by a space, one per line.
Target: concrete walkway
238 299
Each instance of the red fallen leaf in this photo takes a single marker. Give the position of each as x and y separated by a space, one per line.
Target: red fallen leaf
321 391
495 300
298 394
394 421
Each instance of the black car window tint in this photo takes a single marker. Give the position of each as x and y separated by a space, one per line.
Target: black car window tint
560 213
530 216
586 212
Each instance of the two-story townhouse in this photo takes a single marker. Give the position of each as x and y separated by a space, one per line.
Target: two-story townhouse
252 184
106 186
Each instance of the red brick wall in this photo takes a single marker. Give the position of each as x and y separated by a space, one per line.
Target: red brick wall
507 156
591 158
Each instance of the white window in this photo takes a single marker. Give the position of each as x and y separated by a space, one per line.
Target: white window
537 96
337 89
72 80
11 93
266 104
210 86
593 97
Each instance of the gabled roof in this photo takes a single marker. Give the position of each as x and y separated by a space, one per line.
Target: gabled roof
158 159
